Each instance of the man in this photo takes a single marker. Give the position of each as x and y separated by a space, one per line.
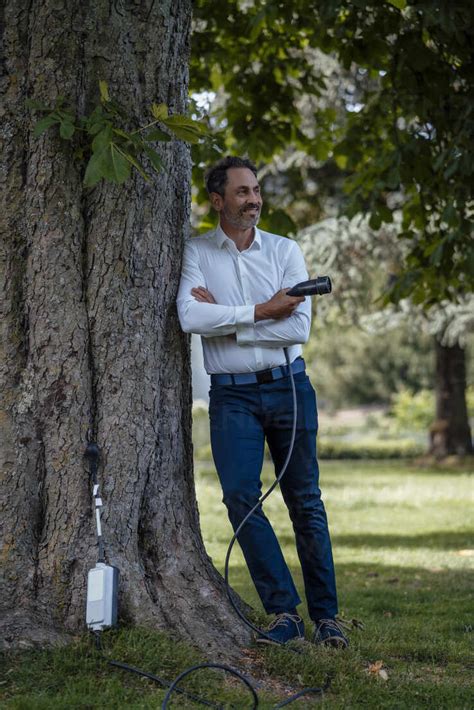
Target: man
233 293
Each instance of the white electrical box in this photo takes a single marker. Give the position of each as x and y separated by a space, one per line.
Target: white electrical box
102 597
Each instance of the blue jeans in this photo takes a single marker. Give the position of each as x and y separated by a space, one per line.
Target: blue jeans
241 417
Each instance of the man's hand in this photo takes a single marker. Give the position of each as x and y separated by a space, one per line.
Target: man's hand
202 295
279 306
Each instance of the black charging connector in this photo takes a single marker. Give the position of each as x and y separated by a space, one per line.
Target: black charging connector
313 287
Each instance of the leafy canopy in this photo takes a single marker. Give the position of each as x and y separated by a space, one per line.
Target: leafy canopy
410 135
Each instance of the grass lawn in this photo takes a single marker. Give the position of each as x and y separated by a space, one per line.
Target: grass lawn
404 553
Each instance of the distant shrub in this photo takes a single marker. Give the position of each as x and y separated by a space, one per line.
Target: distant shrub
200 424
470 402
364 449
203 453
415 412
369 449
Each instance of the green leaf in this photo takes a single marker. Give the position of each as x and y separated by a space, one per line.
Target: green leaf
450 214
451 169
43 124
114 164
95 127
184 122
399 4
93 171
128 136
385 213
418 296
185 134
102 139
133 161
66 130
159 111
185 128
157 135
375 221
108 163
439 161
104 91
393 179
155 159
341 161
321 151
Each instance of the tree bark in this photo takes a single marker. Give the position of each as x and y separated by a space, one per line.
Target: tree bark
450 433
90 337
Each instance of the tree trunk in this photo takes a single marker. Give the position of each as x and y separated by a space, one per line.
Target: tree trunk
450 433
90 337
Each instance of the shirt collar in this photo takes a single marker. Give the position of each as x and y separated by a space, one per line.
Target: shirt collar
222 238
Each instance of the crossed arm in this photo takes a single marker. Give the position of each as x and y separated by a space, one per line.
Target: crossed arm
278 306
282 320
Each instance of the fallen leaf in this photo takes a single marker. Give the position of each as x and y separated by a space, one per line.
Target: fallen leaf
388 614
375 667
378 670
465 553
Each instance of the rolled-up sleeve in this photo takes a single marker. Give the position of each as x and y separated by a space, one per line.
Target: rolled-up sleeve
206 319
284 331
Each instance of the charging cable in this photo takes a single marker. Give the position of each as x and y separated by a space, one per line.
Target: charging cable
92 454
306 691
260 501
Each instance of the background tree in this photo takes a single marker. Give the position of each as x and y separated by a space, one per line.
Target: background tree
90 337
367 107
361 260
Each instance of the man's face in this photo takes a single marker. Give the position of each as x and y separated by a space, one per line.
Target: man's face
242 203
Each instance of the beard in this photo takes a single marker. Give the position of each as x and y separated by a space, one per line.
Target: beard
243 218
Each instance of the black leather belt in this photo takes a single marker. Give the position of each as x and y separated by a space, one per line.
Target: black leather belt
262 377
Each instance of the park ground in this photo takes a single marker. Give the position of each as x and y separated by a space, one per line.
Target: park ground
404 552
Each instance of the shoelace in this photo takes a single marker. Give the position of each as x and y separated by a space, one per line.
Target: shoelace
335 624
283 618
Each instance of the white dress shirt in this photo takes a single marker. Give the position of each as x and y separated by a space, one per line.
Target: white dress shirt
238 281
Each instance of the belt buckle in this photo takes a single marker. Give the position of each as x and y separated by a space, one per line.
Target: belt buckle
264 377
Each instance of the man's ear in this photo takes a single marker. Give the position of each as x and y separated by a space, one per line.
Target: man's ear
217 201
